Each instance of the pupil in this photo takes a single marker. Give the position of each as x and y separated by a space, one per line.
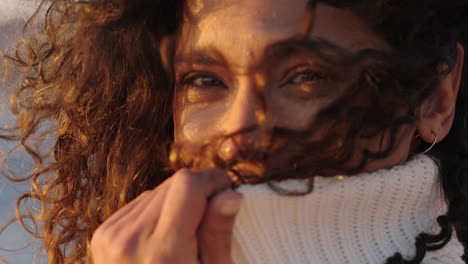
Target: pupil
303 77
210 81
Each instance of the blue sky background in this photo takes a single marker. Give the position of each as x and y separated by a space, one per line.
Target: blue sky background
13 13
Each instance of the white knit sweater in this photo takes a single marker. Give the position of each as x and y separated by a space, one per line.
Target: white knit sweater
362 219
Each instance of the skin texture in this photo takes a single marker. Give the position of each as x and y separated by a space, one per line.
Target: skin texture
174 223
219 69
225 50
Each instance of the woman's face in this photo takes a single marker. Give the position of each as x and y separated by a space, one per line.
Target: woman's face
224 59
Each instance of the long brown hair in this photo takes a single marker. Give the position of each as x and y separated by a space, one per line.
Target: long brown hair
93 78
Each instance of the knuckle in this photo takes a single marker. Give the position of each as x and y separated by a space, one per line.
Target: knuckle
118 253
161 259
145 194
209 236
172 249
163 255
114 243
98 237
122 249
199 182
185 177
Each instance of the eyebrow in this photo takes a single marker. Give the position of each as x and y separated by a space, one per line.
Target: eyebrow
285 49
274 52
208 56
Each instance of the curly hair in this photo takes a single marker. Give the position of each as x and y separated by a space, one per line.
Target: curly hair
93 77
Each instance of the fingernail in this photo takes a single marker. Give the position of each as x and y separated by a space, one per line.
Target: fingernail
230 207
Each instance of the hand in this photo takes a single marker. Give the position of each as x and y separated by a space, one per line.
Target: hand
187 219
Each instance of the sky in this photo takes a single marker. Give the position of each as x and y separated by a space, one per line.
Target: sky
13 13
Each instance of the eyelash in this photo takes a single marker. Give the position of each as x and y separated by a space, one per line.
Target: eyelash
316 75
191 78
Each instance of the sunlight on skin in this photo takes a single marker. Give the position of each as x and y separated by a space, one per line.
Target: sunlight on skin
228 49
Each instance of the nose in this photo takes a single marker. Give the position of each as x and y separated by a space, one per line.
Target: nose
244 122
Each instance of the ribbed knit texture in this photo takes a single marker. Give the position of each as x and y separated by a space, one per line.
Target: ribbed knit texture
361 219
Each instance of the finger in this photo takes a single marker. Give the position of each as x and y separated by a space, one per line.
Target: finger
215 232
151 210
119 235
126 210
185 203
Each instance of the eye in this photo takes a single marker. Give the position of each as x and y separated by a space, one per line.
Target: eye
202 80
202 87
307 75
305 82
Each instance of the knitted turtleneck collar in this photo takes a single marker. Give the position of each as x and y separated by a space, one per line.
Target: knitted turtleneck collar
366 218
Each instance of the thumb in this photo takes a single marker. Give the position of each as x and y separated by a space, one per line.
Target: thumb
215 232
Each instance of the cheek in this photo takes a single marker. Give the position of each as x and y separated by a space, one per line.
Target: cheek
188 132
194 126
294 114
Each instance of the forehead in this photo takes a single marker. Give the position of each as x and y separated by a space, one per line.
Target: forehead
259 13
241 29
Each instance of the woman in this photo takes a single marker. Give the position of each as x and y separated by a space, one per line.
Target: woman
250 94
